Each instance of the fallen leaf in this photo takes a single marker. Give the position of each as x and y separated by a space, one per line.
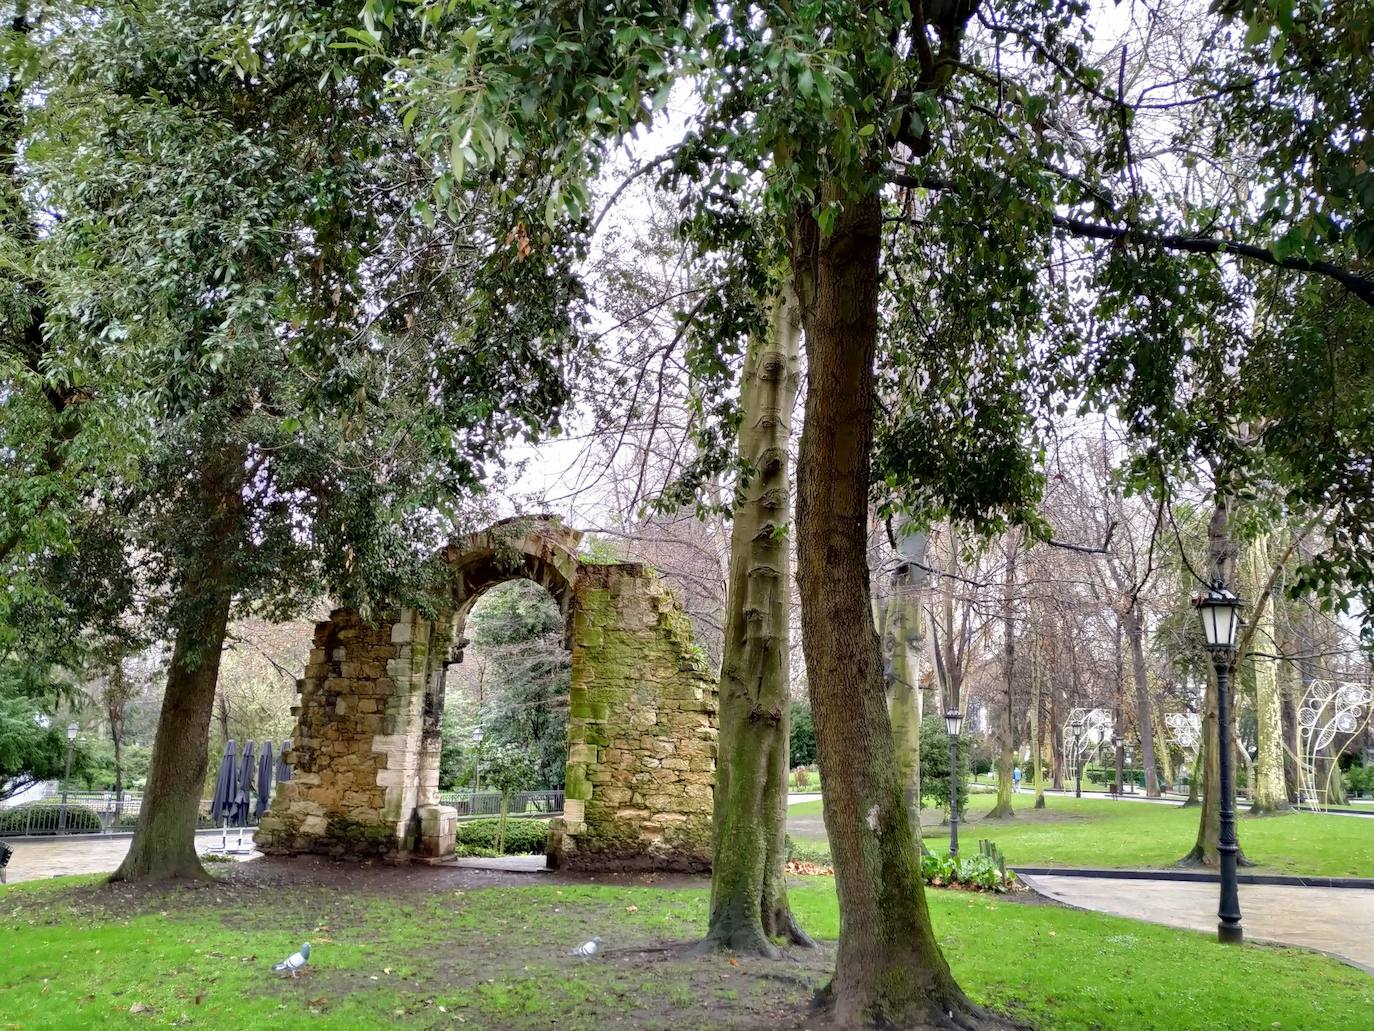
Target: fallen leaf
632 909
138 1007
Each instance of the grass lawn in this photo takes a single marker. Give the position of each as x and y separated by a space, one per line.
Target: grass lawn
1102 832
407 947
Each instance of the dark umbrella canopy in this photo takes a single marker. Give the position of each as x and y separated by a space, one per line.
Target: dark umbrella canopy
243 790
222 805
283 767
265 766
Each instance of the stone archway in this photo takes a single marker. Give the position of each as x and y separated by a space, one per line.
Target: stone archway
641 718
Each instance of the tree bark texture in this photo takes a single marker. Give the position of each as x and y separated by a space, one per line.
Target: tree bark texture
1144 717
1002 808
889 970
1268 793
1222 562
164 844
1166 759
1037 673
748 891
906 630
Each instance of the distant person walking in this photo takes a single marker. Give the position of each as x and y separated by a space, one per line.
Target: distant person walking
1016 780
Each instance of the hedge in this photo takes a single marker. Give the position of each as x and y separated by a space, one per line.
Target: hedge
523 836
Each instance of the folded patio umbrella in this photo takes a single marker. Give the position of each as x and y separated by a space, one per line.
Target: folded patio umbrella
221 806
243 789
283 767
265 766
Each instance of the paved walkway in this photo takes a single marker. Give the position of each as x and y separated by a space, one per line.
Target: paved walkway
1335 920
36 858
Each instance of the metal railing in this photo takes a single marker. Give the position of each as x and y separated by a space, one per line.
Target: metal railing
84 814
488 803
98 813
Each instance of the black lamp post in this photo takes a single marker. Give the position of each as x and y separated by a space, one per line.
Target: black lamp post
1118 741
1077 727
1130 770
953 719
72 730
1220 612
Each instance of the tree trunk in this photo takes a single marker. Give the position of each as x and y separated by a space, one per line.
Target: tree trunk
1194 779
1002 808
1056 739
906 627
1037 754
1166 759
1143 708
1268 793
748 891
164 842
1222 561
1289 703
116 705
888 968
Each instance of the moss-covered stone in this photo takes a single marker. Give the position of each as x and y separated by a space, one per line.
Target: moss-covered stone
366 743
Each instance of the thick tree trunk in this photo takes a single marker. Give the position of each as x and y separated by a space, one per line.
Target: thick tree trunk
1002 808
1288 677
1222 561
748 890
906 629
1037 753
1194 781
1268 793
1144 715
1056 741
164 843
1166 759
888 968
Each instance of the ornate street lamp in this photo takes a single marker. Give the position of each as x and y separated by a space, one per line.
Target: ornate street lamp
953 719
72 731
1077 726
1220 613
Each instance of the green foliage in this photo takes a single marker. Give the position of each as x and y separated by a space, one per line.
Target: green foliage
978 872
935 765
519 628
508 768
802 731
521 837
1359 780
29 751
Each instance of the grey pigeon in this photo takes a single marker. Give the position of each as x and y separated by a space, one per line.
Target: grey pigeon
294 963
587 948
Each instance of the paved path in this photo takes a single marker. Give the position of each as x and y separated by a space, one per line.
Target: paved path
1335 920
36 858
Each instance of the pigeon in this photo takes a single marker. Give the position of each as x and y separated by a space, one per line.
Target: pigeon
587 948
294 963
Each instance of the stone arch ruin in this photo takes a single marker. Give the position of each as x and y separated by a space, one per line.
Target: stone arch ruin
641 717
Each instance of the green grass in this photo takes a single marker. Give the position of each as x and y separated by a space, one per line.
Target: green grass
495 958
1102 832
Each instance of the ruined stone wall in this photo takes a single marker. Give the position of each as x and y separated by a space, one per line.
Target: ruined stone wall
641 729
363 735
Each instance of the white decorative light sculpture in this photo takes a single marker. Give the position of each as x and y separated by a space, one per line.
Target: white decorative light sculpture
1327 710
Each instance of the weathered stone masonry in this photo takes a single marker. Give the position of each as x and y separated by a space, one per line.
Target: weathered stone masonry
641 727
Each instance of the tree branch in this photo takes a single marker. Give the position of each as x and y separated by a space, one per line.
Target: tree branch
1361 286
